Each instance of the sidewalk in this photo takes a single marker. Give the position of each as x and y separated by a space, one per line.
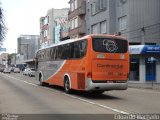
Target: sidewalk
150 85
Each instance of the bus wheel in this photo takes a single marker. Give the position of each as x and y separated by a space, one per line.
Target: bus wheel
67 85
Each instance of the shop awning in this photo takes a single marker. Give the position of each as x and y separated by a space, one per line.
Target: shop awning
144 49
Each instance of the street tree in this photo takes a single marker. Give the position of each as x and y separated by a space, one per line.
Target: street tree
2 26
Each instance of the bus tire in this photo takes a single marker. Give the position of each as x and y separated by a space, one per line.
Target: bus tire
67 88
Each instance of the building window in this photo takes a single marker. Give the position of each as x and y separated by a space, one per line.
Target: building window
72 24
72 6
46 21
103 4
76 22
122 23
45 33
93 8
98 6
75 4
95 29
103 26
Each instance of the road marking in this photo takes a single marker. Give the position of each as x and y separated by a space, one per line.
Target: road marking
21 80
78 98
97 104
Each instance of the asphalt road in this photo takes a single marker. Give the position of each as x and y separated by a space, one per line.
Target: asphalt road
21 94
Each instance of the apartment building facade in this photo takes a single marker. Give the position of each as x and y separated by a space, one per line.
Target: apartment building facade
61 29
27 45
137 20
47 25
101 16
4 59
76 18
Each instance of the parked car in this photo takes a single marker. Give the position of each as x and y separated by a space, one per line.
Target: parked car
26 71
1 69
31 72
16 70
7 70
12 69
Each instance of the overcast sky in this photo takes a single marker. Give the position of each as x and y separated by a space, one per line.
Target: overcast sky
22 17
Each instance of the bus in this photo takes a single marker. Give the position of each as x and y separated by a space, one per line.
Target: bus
94 63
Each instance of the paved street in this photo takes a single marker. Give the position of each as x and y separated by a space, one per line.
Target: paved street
21 94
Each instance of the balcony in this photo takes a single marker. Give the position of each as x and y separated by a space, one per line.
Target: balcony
80 31
79 11
44 27
64 35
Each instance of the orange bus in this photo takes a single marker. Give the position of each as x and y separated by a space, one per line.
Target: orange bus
93 63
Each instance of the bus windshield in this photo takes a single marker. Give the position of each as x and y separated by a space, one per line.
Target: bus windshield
110 45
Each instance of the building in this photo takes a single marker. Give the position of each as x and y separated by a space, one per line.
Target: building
4 59
12 59
76 18
101 16
47 25
139 21
27 45
61 28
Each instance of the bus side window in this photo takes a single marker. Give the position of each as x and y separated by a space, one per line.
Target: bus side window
63 52
47 54
52 52
55 53
76 50
83 45
72 50
36 63
60 48
68 51
42 55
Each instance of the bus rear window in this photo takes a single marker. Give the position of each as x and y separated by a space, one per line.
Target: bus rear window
110 45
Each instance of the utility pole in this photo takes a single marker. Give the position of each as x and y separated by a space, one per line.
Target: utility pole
142 36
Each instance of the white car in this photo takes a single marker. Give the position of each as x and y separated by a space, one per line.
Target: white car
7 70
16 70
26 71
31 72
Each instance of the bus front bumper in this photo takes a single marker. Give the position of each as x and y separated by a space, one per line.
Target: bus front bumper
91 86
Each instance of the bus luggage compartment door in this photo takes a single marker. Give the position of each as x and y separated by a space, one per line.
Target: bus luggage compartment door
109 70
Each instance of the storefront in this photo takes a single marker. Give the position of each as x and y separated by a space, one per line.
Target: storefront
145 63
